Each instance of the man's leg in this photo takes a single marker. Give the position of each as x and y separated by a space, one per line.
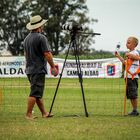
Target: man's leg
31 103
42 108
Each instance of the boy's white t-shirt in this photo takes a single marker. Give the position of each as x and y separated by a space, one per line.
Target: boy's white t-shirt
134 67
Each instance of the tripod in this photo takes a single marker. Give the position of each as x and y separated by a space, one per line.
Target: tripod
73 44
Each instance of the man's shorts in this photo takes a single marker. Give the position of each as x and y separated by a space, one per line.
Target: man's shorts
37 82
132 88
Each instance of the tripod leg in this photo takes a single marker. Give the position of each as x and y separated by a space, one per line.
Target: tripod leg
80 77
55 94
59 80
82 89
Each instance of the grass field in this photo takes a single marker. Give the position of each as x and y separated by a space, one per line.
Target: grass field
104 100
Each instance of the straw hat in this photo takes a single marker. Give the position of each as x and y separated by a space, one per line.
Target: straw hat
35 22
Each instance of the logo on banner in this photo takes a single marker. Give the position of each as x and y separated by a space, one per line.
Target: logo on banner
111 69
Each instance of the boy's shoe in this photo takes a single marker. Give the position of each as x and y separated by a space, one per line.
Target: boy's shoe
133 113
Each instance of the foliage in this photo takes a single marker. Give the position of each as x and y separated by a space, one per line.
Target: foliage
93 55
12 25
60 12
15 15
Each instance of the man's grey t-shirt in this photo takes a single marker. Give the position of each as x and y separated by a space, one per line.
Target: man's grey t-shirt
35 44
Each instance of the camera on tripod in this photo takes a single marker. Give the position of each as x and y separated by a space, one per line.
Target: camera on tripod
75 28
72 27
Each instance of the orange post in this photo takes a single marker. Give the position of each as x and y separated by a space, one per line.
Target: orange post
1 96
126 76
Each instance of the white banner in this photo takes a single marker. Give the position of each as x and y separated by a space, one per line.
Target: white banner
99 68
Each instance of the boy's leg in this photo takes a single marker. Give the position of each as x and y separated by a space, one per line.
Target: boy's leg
134 103
132 94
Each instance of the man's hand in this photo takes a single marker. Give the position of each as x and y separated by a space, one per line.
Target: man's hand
54 71
49 58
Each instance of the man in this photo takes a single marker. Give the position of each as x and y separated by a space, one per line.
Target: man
37 54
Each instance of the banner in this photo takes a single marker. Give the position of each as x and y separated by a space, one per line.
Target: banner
99 68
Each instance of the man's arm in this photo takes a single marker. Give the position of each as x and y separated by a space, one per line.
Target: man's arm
49 58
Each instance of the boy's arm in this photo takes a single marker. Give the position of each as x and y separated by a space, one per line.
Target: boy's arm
132 56
120 58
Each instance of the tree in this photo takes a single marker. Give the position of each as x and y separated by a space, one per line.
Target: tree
12 25
59 12
16 13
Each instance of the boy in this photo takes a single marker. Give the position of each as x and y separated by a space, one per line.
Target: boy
131 66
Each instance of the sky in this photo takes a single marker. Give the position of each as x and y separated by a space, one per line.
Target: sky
117 20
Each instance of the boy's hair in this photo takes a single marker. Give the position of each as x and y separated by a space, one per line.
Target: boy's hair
135 40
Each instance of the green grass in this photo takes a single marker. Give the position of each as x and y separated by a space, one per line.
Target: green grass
104 100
